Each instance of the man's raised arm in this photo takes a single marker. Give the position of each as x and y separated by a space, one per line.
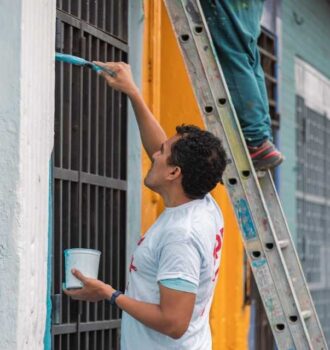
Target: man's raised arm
152 134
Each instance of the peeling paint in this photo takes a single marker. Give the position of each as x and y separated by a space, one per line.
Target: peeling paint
245 219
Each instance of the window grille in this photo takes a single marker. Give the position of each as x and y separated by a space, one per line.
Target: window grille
313 204
90 163
268 57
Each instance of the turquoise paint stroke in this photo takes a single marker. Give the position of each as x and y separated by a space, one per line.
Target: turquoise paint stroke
47 335
259 263
245 219
78 61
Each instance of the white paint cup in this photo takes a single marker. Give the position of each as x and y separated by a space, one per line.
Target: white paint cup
85 260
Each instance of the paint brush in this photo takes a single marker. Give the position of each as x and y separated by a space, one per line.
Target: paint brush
78 61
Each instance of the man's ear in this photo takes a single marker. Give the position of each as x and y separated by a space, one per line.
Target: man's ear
174 173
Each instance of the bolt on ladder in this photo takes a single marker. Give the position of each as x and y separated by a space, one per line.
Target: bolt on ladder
267 240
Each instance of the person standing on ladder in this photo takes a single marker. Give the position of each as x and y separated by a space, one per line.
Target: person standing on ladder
235 27
174 269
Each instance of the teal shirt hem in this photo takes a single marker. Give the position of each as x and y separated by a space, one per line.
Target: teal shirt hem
179 284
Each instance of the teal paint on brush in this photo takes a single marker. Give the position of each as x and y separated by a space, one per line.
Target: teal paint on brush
78 61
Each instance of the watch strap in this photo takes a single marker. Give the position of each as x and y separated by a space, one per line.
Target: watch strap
114 296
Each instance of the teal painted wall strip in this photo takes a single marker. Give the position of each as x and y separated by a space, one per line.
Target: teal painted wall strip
47 336
305 34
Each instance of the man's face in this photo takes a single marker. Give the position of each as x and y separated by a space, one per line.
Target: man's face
158 175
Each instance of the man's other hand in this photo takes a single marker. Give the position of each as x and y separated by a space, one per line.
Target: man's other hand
93 289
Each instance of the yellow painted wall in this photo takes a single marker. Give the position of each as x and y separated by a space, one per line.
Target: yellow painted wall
167 90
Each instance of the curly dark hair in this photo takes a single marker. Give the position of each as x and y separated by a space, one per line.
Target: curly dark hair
202 160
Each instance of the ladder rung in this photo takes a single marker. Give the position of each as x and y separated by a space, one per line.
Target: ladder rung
260 173
306 314
284 243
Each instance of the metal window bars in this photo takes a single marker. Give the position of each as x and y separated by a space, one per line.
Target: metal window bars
90 163
313 204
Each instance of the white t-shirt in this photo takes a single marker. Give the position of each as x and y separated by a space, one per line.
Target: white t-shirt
185 242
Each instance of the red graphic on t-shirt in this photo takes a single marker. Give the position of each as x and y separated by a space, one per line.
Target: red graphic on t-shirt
131 266
202 313
216 257
140 241
218 244
215 275
217 248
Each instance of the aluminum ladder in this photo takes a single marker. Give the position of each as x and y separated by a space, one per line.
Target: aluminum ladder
267 240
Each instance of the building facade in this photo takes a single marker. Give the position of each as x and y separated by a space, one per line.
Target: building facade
72 162
304 139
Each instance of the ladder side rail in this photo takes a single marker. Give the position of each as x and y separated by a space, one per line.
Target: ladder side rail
216 127
259 213
293 263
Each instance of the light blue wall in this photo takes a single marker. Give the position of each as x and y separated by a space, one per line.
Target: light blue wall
310 40
134 170
10 95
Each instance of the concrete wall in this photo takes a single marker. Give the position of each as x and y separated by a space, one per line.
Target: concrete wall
305 34
26 133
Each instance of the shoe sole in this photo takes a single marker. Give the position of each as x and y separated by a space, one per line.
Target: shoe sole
266 164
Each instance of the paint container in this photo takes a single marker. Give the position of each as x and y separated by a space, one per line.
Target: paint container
85 260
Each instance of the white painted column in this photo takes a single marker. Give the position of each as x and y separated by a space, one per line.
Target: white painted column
27 40
134 171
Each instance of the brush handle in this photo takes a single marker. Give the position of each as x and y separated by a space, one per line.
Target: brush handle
107 70
78 61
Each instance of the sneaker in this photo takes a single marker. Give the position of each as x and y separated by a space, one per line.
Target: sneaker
265 156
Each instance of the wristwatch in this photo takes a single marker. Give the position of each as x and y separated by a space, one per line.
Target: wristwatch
114 296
